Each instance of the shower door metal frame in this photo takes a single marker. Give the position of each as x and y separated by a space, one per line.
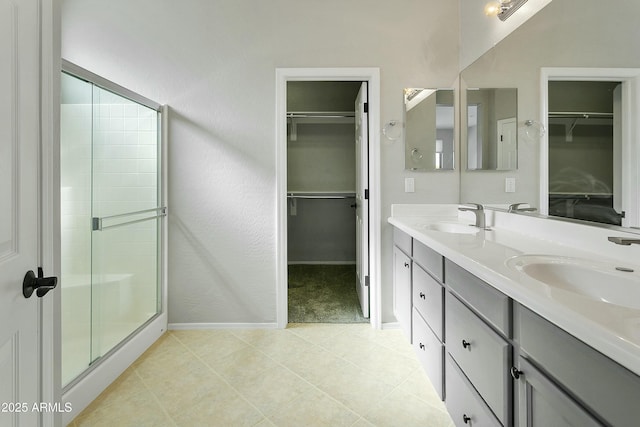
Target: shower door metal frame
84 389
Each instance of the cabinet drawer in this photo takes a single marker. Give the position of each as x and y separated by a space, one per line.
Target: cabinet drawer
490 303
606 387
428 259
463 403
429 350
402 240
427 298
482 354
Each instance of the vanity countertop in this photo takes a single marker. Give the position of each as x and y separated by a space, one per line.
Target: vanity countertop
610 328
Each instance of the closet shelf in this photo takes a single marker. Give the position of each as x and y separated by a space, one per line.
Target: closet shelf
321 194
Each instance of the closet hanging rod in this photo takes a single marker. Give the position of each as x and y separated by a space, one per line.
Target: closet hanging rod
579 114
320 114
322 196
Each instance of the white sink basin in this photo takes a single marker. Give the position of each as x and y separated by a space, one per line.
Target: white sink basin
453 227
599 281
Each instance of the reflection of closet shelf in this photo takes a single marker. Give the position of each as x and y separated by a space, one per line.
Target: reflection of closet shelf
321 117
321 194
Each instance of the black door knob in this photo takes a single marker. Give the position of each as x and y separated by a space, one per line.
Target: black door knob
40 284
515 373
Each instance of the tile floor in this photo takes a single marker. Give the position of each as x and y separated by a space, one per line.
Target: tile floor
306 375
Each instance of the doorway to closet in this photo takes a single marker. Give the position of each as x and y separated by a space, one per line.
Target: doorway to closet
367 191
327 254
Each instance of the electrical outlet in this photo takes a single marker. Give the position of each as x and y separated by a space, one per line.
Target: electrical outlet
409 185
509 185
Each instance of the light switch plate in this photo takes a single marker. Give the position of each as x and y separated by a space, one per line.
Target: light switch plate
409 185
509 185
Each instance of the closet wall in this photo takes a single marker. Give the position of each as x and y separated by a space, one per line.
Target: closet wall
321 172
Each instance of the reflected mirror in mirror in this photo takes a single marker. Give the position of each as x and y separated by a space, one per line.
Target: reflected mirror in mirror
492 117
429 132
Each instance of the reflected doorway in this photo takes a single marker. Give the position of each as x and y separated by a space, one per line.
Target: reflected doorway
589 162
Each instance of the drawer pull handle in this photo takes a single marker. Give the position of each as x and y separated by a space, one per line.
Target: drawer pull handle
466 343
515 373
422 346
465 418
422 295
406 264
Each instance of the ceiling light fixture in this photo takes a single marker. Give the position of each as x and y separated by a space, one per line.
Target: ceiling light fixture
503 8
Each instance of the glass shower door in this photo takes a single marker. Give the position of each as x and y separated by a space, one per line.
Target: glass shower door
125 219
111 221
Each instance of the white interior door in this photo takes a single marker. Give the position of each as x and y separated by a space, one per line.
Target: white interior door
19 229
507 144
362 199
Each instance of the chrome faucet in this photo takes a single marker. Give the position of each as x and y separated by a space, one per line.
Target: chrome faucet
627 241
478 210
516 208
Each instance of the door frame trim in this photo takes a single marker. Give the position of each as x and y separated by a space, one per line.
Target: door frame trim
50 351
372 77
630 78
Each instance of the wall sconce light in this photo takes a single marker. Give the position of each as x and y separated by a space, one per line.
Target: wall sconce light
503 8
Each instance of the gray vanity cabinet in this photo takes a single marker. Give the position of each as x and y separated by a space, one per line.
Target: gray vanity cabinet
579 383
402 280
497 363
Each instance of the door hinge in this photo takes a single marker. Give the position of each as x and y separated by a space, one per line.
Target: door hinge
366 107
366 280
366 194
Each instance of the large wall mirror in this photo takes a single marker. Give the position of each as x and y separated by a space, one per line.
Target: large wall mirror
429 129
553 140
491 124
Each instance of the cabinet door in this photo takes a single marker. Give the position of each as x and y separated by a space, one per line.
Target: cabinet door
542 404
402 290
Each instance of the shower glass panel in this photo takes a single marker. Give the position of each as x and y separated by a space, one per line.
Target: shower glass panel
124 250
75 181
111 221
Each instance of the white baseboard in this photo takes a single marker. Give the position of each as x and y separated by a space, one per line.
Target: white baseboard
391 325
191 326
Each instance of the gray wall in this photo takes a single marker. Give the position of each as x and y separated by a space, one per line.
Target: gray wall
214 63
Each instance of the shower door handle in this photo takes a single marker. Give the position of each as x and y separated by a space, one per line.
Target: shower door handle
40 284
